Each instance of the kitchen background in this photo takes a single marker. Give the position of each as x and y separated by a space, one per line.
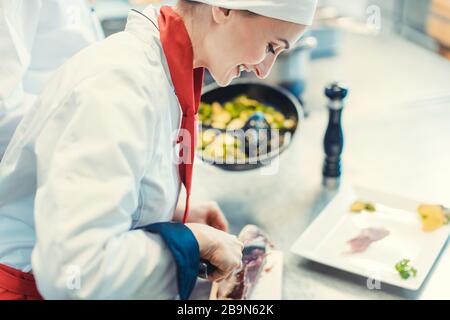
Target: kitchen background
339 26
407 17
392 55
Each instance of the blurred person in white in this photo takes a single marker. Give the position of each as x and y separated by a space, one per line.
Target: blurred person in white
36 37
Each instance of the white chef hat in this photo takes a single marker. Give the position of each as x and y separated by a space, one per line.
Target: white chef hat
296 11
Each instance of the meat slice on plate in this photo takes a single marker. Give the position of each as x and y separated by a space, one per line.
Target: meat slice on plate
365 238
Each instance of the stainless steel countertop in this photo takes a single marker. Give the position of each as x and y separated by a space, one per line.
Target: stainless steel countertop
397 139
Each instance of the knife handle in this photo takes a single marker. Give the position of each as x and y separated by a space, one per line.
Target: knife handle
205 269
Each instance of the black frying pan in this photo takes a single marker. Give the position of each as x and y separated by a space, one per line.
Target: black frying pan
268 94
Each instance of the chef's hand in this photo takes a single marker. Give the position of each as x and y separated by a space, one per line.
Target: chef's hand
207 213
221 249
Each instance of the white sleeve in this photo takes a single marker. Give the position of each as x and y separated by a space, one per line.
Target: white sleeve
36 37
65 27
88 188
18 26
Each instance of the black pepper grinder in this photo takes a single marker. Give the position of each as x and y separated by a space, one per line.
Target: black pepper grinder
334 138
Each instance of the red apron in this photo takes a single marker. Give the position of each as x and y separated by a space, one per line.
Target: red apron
17 285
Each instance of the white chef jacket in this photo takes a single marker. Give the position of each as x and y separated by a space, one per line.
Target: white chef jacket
36 37
90 163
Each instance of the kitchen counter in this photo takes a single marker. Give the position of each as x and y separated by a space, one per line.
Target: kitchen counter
397 139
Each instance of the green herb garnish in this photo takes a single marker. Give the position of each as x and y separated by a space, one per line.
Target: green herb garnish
405 270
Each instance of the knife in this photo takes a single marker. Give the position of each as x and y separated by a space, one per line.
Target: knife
206 268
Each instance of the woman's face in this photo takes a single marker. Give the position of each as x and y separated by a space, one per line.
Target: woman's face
239 41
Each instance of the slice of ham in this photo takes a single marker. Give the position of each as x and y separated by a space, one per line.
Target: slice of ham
239 285
366 237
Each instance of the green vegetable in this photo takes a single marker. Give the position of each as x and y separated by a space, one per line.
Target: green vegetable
447 215
233 109
242 107
405 270
231 116
370 207
359 206
205 110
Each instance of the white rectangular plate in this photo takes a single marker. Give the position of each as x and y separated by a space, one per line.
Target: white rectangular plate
269 285
325 240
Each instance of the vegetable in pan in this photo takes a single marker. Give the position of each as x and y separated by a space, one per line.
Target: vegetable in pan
233 115
220 146
219 122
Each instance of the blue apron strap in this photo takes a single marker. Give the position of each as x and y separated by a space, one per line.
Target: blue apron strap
184 247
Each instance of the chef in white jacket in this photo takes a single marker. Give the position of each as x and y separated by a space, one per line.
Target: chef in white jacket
36 37
89 183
